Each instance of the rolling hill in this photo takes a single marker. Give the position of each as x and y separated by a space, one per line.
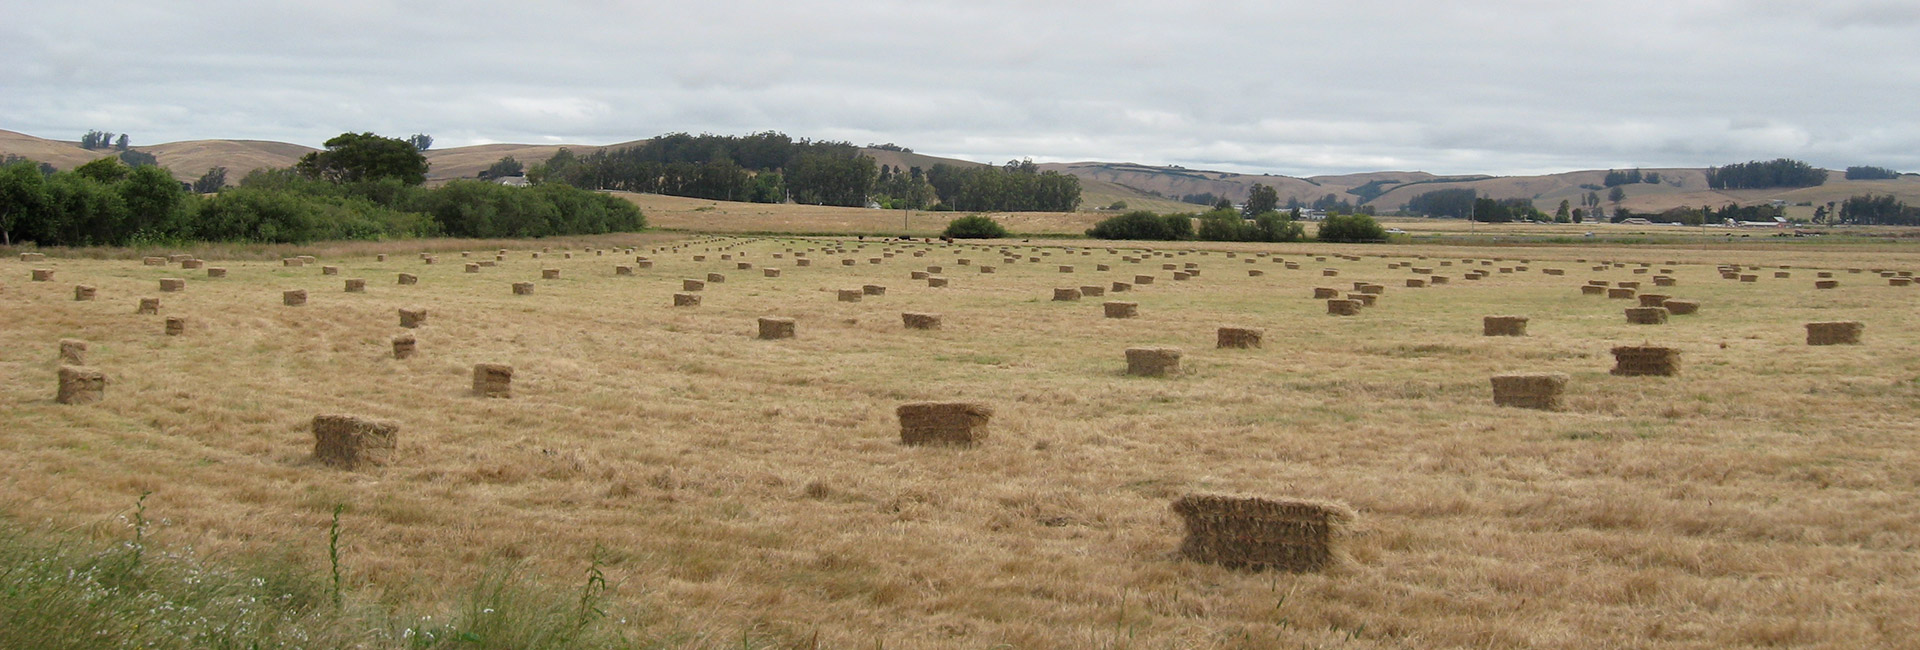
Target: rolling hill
1139 186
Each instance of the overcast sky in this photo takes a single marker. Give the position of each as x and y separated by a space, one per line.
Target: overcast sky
1296 88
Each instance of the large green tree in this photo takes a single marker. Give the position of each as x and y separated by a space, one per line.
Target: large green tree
1262 198
355 157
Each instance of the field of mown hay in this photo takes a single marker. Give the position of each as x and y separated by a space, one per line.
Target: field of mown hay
753 489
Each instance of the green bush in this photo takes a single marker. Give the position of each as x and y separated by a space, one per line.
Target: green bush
1142 224
975 226
1351 228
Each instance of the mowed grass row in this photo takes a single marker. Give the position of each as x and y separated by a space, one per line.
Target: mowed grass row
1764 496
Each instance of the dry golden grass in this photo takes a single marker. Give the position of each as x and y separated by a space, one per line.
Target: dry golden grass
1765 497
681 213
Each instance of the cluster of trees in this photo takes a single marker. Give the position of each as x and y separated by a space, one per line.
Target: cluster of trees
502 168
1457 203
1018 186
1226 224
904 189
1202 198
1629 177
1878 210
355 193
102 140
1697 216
1782 172
1486 210
766 167
1870 173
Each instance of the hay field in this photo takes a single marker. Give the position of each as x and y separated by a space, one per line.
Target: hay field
750 493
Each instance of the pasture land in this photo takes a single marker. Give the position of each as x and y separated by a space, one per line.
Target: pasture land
745 492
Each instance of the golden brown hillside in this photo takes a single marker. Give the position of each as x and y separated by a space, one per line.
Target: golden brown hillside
190 159
64 155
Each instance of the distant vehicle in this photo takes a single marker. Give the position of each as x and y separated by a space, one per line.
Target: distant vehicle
1396 231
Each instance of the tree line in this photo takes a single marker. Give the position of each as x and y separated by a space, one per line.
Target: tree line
1224 223
1018 186
1632 176
1870 173
767 167
1782 172
1873 210
345 192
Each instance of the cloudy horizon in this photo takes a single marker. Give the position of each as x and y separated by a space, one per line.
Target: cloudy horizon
1299 89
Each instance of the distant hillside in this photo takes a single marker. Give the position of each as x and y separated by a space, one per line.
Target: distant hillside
1148 187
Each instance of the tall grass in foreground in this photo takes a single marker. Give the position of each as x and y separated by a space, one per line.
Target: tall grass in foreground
59 592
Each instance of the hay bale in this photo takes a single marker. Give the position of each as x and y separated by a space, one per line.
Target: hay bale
356 285
1835 333
492 380
920 321
403 346
73 352
932 270
743 266
1647 315
850 295
1343 307
1503 326
1119 309
1533 390
411 318
1749 278
936 281
148 261
549 274
647 264
43 275
347 442
473 267
943 423
81 385
622 269
1663 281
1254 273
148 306
716 278
1645 360
1066 294
293 261
1653 299
1238 337
1416 283
1370 288
329 270
83 292
686 300
1169 267
986 269
1620 293
919 275
1104 267
409 278
775 327
1681 307
1823 274
1292 535
1092 291
172 285
846 262
1323 293
216 272
1589 290
1826 284
1554 271
1892 282
1143 279
1782 274
1153 362
293 298
33 257
1329 272
1118 287
690 284
193 264
523 288
176 325
873 290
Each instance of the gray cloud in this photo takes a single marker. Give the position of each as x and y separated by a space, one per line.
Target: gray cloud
1287 87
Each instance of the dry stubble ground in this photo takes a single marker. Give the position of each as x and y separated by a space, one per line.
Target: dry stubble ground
1765 497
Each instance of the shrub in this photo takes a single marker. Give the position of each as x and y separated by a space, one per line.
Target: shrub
1139 224
1351 228
974 226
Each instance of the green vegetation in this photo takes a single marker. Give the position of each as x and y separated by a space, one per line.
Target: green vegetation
358 157
106 203
1507 210
1630 177
764 167
1355 228
975 226
1878 210
1457 203
1782 172
1870 173
1144 224
64 593
1019 186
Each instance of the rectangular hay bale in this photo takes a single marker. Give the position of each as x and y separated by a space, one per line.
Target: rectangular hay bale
944 423
1293 535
